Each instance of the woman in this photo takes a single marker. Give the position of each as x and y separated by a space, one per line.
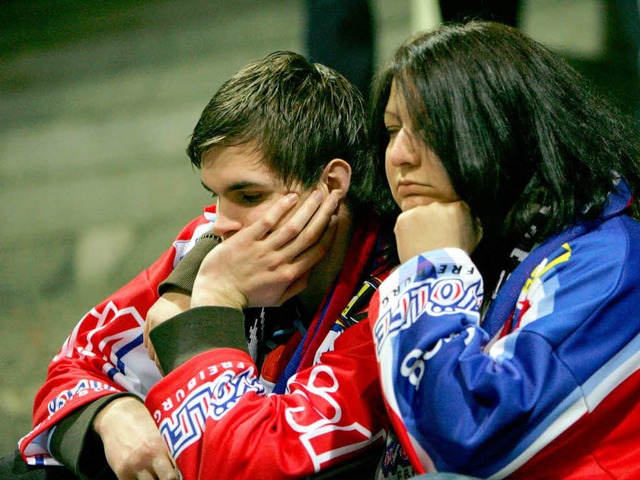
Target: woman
507 340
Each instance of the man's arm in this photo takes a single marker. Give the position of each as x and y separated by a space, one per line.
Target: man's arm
182 277
103 357
214 413
76 445
175 291
211 397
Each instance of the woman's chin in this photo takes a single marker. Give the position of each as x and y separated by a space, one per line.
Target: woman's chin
413 201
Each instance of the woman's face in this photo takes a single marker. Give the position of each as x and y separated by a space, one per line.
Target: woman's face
415 174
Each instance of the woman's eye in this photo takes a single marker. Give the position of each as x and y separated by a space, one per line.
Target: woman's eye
392 131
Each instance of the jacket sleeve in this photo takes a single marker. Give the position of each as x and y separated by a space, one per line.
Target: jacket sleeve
184 275
460 403
104 355
77 446
216 416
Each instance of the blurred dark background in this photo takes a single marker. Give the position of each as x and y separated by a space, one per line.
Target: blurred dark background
97 100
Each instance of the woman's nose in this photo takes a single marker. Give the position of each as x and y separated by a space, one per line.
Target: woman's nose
401 150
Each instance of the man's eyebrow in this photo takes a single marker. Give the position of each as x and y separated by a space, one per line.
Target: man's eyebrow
234 187
207 188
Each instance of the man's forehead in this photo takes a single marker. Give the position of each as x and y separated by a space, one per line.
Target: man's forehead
248 154
236 167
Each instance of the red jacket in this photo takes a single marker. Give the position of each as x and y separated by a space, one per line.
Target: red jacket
215 415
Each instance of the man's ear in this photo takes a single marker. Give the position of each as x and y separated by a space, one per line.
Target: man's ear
336 176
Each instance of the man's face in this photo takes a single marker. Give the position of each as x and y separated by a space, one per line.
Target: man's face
244 187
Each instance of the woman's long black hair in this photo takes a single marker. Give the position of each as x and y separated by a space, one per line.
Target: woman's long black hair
515 126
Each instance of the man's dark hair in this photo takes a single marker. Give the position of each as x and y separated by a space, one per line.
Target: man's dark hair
300 115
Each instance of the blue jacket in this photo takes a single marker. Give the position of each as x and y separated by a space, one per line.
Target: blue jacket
546 384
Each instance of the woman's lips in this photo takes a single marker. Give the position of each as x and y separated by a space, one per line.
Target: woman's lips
407 189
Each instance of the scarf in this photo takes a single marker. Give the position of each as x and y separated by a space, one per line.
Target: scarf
362 258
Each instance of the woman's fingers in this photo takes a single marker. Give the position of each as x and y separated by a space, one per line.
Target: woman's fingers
443 225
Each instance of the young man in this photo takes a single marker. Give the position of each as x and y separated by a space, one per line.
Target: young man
283 146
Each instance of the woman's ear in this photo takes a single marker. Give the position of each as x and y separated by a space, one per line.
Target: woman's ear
336 177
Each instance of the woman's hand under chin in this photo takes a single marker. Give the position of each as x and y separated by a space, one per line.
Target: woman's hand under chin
434 226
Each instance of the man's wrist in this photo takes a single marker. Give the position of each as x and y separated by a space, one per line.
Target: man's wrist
108 409
218 297
195 331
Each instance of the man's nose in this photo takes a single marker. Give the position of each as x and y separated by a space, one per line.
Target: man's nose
224 226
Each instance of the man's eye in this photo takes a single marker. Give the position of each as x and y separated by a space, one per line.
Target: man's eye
251 198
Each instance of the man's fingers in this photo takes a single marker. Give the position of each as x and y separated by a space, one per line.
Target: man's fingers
295 272
315 252
311 218
319 222
164 468
307 225
289 228
298 286
145 335
155 359
273 215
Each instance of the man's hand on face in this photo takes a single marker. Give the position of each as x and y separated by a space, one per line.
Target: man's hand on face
263 265
268 262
